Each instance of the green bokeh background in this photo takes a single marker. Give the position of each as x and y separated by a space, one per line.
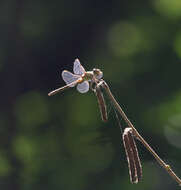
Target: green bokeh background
60 142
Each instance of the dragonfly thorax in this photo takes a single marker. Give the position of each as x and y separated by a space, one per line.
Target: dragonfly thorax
95 74
88 75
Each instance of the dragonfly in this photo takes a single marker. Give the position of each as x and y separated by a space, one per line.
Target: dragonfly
79 78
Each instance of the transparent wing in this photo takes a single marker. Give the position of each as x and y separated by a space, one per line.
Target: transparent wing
68 77
78 68
83 87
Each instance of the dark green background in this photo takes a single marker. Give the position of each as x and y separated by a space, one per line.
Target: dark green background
60 142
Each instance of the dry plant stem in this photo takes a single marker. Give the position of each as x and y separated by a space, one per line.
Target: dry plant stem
147 146
101 102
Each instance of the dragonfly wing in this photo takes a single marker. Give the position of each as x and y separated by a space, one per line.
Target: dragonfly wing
78 68
68 77
83 87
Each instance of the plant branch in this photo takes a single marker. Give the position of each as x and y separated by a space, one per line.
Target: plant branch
135 132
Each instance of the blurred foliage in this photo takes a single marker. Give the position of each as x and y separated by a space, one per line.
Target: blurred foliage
60 142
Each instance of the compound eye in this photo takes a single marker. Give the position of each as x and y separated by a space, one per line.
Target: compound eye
98 73
94 70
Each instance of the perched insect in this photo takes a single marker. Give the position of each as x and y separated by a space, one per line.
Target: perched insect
81 78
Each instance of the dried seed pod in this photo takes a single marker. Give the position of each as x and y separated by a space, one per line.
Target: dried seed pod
134 164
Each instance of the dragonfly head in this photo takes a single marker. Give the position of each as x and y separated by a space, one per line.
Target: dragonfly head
98 73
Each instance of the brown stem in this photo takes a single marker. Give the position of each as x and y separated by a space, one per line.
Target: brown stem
101 102
135 132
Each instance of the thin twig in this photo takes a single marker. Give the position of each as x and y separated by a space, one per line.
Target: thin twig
101 102
135 132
